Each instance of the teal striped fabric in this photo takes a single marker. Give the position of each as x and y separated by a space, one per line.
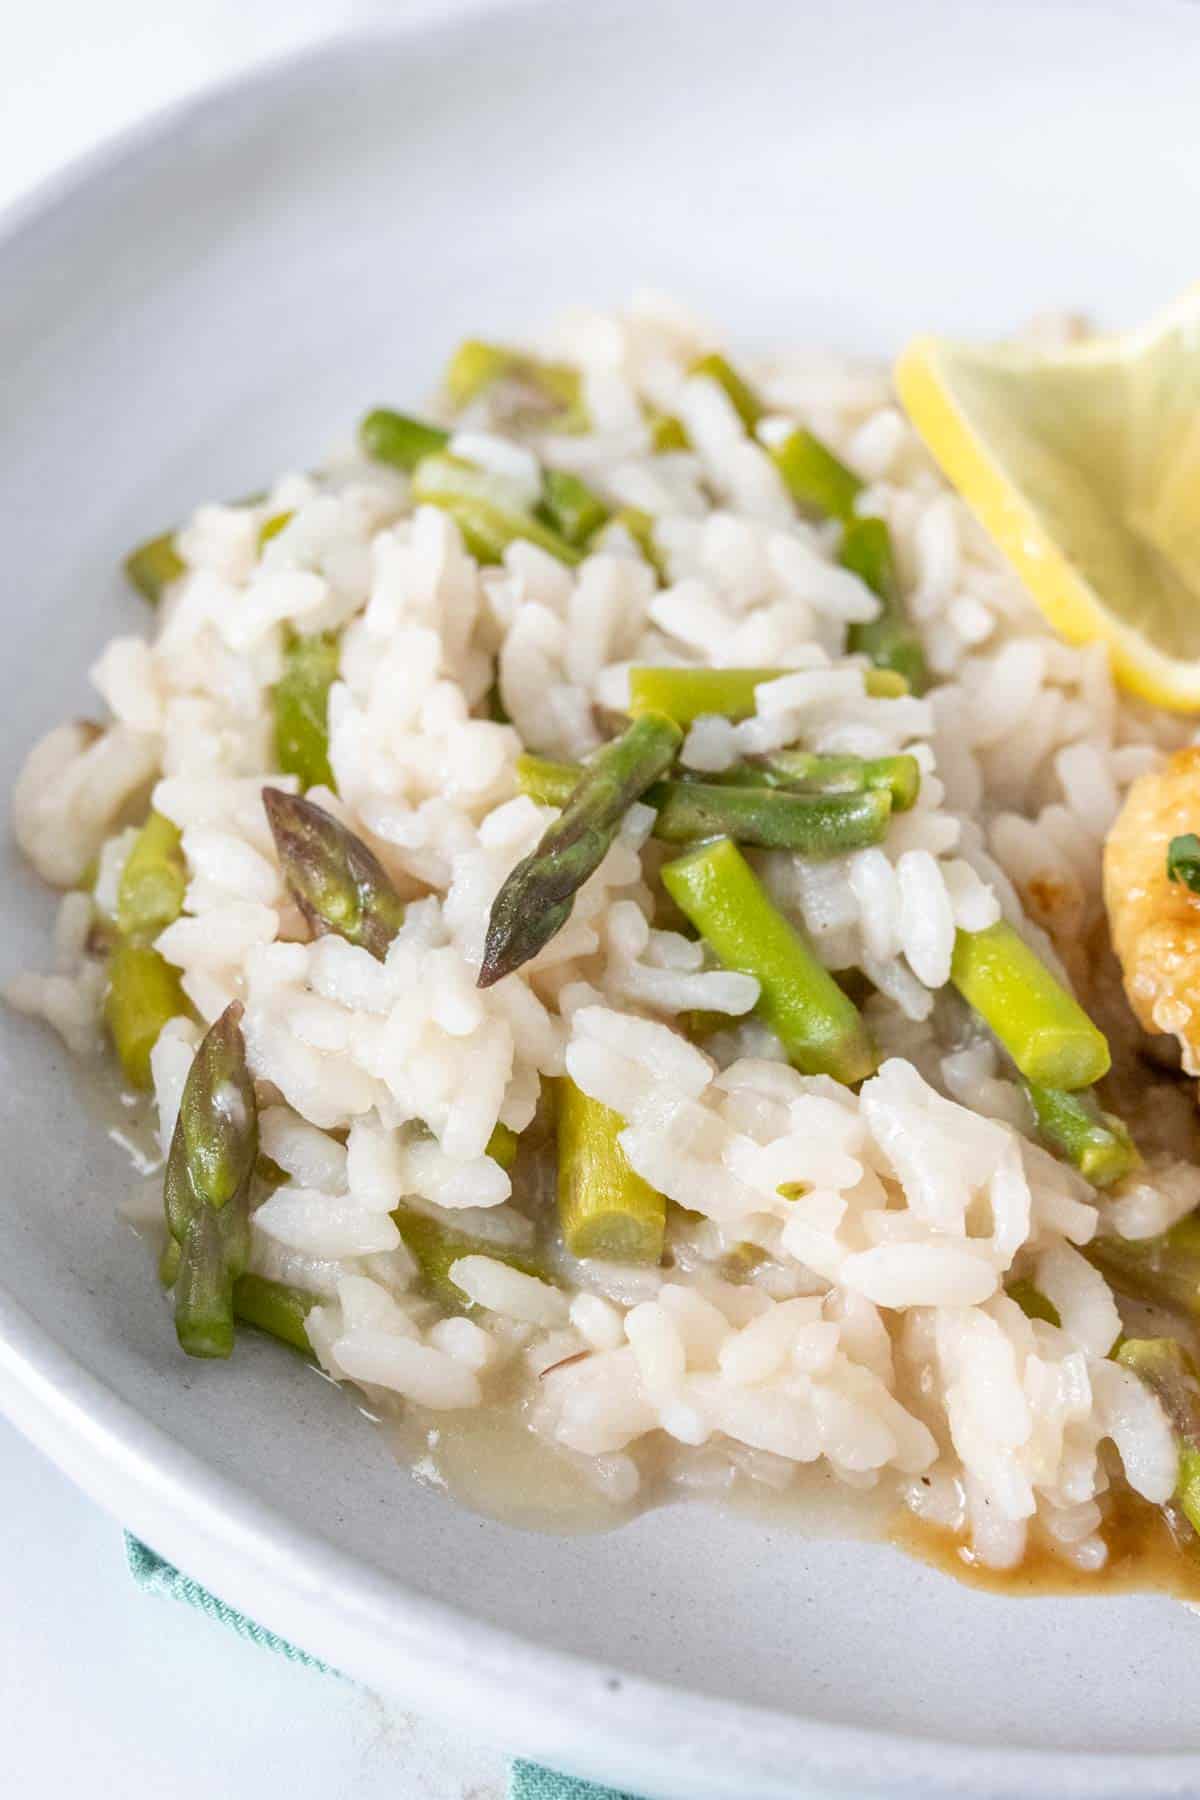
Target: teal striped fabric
529 1782
154 1575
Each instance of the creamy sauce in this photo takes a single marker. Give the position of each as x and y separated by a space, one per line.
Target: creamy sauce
492 1464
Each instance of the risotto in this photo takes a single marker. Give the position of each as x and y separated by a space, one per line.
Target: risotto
603 885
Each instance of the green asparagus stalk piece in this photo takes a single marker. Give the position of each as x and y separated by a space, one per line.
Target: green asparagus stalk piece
604 1208
667 433
1160 1271
1032 1302
168 1263
143 993
813 475
536 900
807 773
537 392
1097 1143
1044 1029
204 1289
686 695
154 565
474 367
570 507
488 509
502 1146
820 483
206 1192
746 403
153 881
549 783
817 481
337 882
435 1248
271 528
889 640
812 825
395 438
818 1025
300 703
749 812
274 1307
270 1306
886 684
1170 1374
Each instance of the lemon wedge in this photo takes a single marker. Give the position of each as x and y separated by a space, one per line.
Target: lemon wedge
1083 464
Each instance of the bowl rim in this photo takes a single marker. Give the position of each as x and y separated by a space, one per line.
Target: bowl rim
578 1714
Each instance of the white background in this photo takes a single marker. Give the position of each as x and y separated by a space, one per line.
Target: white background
103 1690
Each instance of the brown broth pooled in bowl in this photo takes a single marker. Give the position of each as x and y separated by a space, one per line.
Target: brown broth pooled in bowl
1143 1557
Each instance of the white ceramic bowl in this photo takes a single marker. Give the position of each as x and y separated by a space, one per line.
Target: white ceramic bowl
212 299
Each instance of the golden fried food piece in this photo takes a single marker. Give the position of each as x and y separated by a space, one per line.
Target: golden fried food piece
1154 922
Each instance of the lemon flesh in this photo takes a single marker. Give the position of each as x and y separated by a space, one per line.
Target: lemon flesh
1084 465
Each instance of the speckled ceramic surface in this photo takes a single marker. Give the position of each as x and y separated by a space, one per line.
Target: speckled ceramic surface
214 299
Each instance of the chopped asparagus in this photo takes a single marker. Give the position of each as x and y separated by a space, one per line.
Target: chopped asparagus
143 993
686 695
889 640
1042 1026
1032 1302
1161 1271
811 824
153 881
489 510
536 899
474 367
886 684
537 392
818 1025
206 1192
604 1208
668 433
814 825
271 528
803 770
154 565
274 1307
1097 1143
746 403
300 703
549 783
337 882
502 1146
569 506
435 1248
814 477
395 438
1170 1374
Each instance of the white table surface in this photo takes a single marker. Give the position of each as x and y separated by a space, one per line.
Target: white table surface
104 1690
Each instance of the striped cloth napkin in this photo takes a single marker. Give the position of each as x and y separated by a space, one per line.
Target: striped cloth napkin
154 1575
